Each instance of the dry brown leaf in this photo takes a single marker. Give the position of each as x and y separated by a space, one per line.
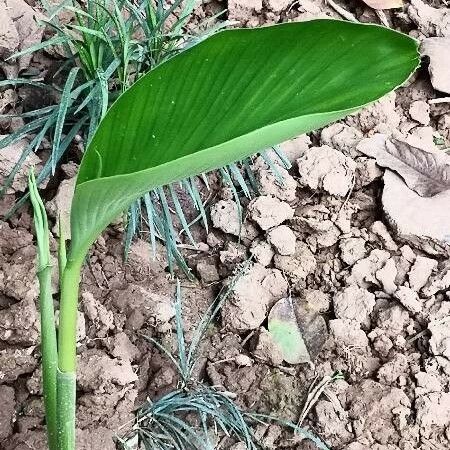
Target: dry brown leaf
426 172
384 4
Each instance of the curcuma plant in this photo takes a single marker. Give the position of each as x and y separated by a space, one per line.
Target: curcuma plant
215 103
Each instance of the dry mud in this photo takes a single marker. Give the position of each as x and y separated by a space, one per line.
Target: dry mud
363 255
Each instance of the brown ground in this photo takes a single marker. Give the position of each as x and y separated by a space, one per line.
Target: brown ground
331 235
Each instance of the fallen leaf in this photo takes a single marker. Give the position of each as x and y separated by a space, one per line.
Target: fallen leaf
384 4
427 172
422 222
285 331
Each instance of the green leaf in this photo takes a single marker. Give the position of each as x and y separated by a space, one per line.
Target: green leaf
286 333
233 94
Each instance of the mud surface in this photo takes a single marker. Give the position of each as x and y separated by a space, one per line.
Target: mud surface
337 235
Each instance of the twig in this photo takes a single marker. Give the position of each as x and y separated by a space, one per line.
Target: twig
316 389
383 19
435 101
343 12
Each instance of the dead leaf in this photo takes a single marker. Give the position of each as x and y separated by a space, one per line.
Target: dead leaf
422 222
427 172
384 4
285 331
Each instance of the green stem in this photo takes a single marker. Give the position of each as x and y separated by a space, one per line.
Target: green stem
49 353
49 349
66 388
66 377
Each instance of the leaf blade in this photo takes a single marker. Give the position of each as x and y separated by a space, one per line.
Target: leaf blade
226 98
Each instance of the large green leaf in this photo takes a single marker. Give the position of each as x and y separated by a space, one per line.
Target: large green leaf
235 93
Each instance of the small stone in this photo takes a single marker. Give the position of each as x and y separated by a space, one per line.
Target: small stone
269 212
354 303
393 369
420 111
409 299
380 230
392 321
324 168
275 284
225 217
440 337
352 250
270 184
407 253
317 300
342 137
233 254
365 270
348 333
367 171
381 343
386 276
421 271
243 360
296 147
277 6
282 239
262 252
207 272
214 240
249 302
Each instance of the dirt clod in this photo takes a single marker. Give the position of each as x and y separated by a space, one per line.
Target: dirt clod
225 216
282 239
354 303
253 294
298 266
327 169
7 411
269 212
